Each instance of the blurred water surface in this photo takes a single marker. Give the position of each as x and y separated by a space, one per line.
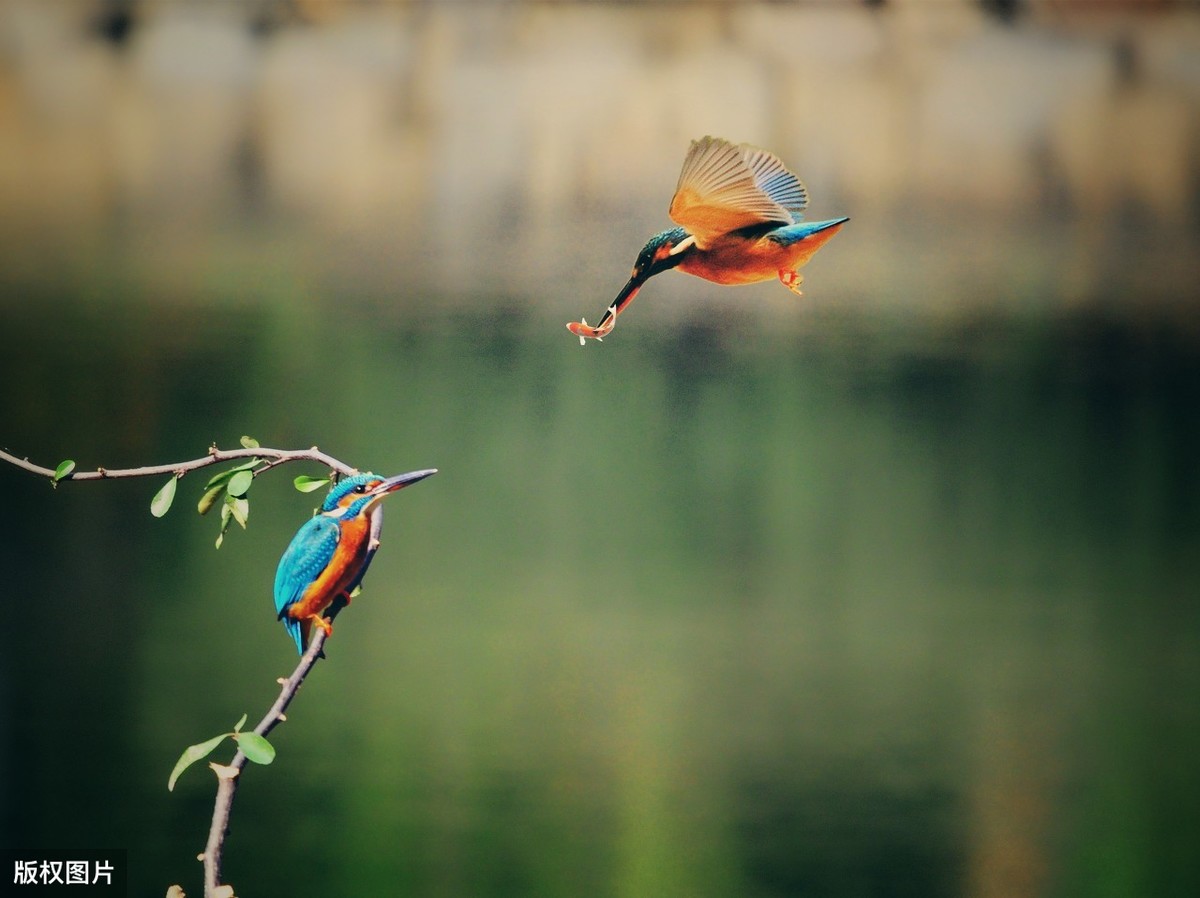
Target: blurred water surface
852 612
890 590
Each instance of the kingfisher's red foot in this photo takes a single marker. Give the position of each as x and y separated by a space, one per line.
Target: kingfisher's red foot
322 623
792 280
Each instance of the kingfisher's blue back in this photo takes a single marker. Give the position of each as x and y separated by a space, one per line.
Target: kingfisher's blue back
309 553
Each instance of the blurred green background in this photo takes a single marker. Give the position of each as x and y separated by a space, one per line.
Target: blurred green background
890 590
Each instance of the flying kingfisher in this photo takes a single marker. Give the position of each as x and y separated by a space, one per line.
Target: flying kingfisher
739 210
329 554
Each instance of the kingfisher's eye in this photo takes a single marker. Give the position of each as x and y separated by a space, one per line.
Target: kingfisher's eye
361 488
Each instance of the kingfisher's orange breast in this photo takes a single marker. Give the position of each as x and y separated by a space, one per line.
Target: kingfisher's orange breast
728 268
347 561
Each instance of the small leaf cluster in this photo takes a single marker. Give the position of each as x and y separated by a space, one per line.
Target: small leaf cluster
229 488
255 747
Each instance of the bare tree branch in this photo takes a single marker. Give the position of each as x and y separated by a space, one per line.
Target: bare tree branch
271 457
228 776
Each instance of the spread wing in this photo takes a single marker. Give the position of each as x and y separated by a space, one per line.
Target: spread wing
308 554
774 179
724 187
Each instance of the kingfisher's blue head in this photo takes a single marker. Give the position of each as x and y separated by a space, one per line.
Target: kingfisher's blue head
661 252
358 493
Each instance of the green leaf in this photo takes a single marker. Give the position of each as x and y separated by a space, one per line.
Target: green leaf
249 443
221 477
64 468
164 497
307 484
191 755
226 517
209 499
238 508
256 747
237 727
218 479
239 483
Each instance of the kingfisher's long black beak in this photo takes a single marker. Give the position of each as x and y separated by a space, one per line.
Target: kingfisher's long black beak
624 298
400 481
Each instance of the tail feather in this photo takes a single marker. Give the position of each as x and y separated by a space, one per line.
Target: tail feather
295 631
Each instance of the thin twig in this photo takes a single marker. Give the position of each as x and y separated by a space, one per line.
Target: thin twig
228 776
272 457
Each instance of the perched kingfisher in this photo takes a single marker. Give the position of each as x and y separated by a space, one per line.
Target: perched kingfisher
328 556
739 210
